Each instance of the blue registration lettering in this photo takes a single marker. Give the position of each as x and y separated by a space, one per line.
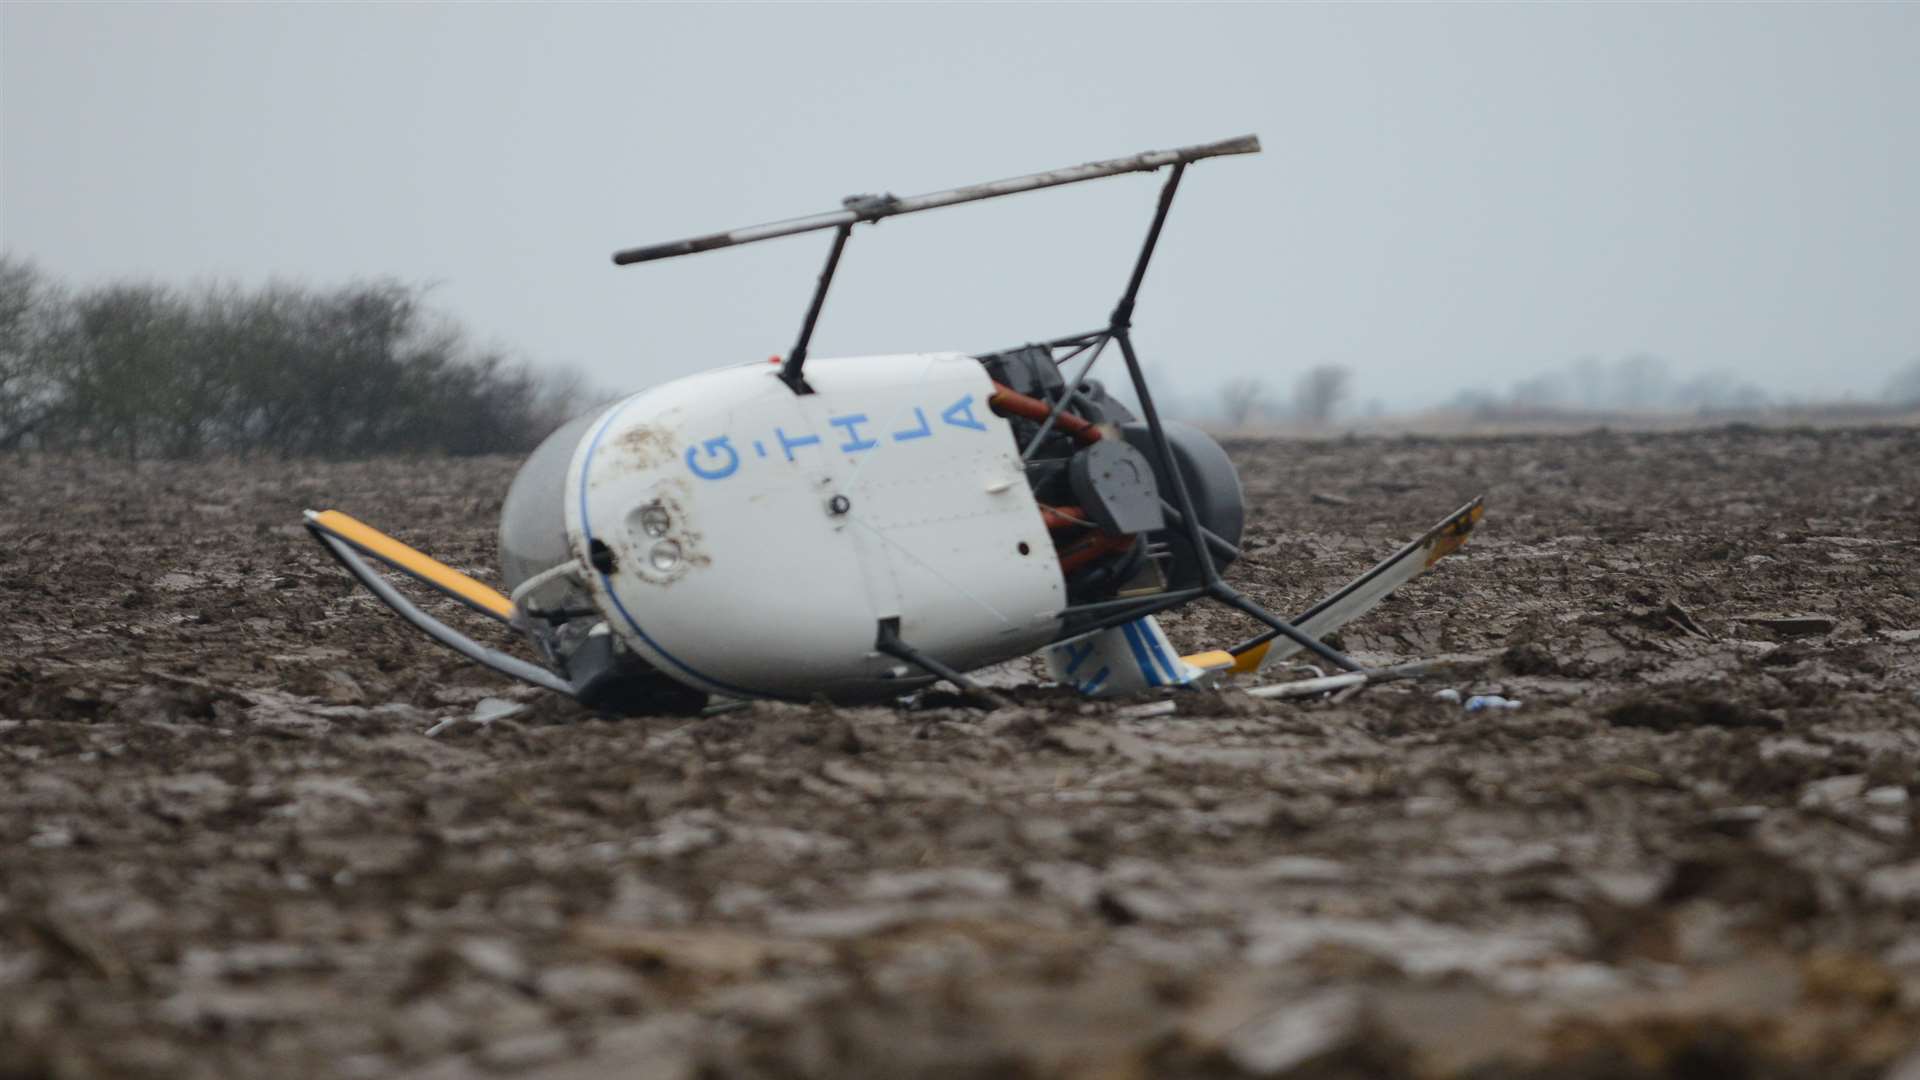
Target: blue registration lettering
925 429
960 414
854 441
716 449
789 445
1077 655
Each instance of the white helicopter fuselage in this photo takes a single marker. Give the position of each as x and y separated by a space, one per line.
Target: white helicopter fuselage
750 541
857 528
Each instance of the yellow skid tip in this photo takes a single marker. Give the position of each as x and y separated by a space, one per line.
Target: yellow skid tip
1249 661
1456 533
413 563
1210 661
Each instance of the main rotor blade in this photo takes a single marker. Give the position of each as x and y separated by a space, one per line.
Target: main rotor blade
873 208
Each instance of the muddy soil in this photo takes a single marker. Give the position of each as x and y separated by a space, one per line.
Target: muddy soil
230 846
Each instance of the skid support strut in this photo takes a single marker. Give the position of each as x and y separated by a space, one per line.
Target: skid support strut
889 643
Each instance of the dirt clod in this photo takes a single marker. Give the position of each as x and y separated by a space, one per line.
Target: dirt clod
1674 710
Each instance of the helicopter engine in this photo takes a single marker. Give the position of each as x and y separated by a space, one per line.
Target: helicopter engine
1109 507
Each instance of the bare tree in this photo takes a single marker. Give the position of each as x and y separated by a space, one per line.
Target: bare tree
1319 393
27 392
1239 397
1904 387
1548 390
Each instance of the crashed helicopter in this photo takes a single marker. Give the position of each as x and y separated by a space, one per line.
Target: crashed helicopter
858 528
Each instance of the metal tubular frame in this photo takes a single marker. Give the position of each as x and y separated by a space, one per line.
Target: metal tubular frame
1099 345
888 641
1214 585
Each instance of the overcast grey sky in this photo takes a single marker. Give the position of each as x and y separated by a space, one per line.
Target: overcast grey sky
1450 195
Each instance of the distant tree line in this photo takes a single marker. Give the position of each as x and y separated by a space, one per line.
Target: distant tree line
1637 383
1643 383
145 370
1634 384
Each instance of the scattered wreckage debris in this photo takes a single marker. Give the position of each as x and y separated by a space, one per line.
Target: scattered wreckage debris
1791 625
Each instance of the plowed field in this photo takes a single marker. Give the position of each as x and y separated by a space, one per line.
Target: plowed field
229 845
